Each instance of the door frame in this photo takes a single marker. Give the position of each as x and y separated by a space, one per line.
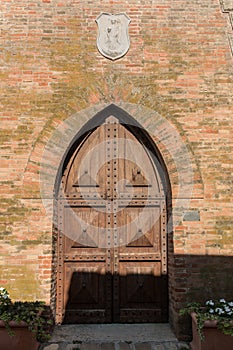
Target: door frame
92 124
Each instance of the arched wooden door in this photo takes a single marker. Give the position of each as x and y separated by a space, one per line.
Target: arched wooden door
112 264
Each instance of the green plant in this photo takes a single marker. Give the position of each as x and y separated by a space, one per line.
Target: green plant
33 313
4 296
220 311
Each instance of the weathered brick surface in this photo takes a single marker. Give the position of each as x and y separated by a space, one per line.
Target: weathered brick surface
179 67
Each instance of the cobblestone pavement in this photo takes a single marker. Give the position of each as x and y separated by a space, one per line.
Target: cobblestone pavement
114 337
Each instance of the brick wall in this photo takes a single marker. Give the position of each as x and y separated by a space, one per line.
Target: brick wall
179 67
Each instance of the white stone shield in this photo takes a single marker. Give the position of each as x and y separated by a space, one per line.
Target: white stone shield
113 37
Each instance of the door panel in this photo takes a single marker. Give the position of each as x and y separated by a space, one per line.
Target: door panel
140 291
112 241
86 299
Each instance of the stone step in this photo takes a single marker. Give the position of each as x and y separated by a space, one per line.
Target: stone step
169 345
114 337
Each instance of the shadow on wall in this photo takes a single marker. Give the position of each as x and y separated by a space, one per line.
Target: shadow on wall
198 278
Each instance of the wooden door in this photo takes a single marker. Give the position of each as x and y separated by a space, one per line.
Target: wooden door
112 224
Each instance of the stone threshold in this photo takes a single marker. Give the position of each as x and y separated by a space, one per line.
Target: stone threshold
114 337
117 346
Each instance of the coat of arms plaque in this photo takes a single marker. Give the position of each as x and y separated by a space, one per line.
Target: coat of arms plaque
113 38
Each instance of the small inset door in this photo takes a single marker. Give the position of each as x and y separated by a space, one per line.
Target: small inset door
112 231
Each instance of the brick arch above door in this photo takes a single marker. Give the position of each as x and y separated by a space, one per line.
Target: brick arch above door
182 166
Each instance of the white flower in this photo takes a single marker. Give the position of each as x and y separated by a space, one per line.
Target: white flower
219 310
211 311
227 308
222 300
210 302
230 303
1 289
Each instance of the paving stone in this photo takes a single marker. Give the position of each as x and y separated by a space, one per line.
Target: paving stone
170 346
73 347
124 346
183 346
89 346
108 346
51 347
62 346
142 346
157 347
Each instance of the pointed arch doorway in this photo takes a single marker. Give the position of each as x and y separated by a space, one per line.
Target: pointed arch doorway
112 217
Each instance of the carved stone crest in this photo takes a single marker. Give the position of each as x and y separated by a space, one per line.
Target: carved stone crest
113 38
